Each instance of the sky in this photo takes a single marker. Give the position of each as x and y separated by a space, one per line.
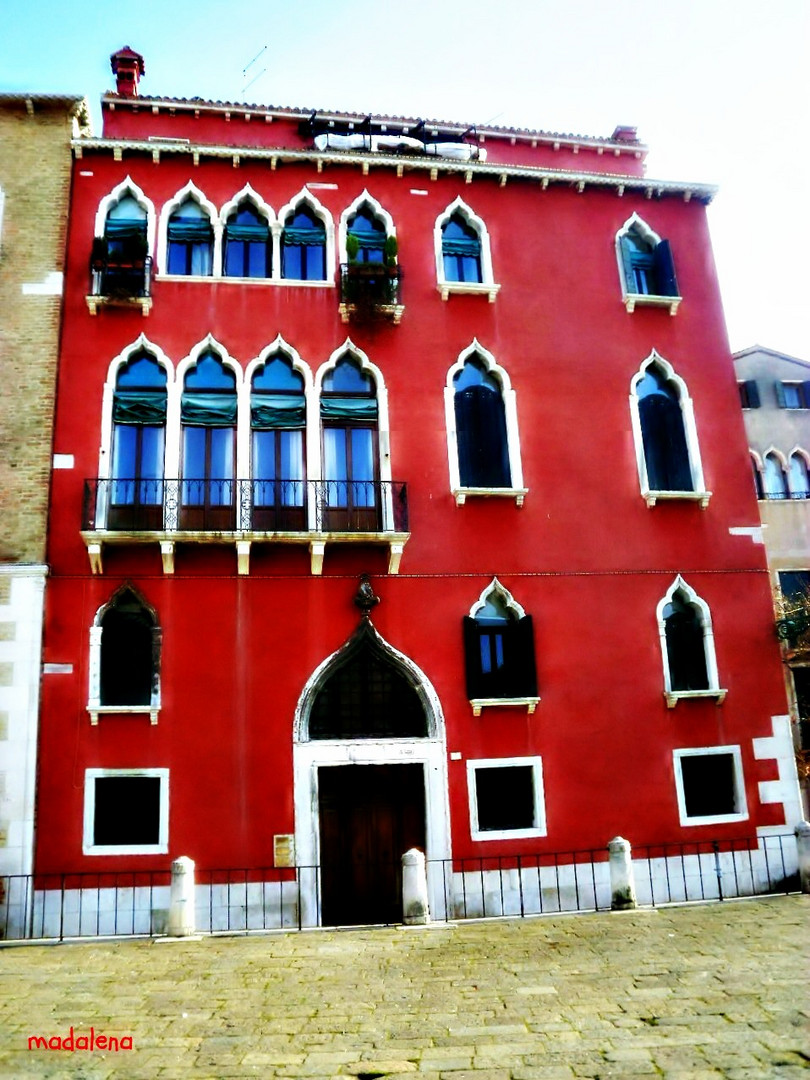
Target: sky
718 89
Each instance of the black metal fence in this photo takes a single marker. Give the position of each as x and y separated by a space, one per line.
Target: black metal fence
62 906
143 504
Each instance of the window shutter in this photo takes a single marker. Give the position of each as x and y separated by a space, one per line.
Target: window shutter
806 395
472 659
665 270
481 433
752 393
523 673
686 651
780 395
665 451
627 264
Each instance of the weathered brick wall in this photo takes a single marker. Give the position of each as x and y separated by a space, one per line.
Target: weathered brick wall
35 181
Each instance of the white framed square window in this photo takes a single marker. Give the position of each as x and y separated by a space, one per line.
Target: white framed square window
126 812
710 785
506 796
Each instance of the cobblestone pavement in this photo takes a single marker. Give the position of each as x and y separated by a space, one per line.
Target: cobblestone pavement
688 993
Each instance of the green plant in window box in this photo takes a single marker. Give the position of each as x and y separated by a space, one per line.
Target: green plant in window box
391 250
352 247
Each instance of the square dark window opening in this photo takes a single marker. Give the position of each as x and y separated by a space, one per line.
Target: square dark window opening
505 798
126 811
709 785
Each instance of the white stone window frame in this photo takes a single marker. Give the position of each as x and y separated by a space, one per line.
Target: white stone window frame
460 493
89 847
94 706
630 298
759 469
264 210
119 192
497 589
377 209
319 210
741 802
714 690
190 191
487 286
652 496
244 442
539 828
141 344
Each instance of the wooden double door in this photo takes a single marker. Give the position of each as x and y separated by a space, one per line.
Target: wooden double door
370 815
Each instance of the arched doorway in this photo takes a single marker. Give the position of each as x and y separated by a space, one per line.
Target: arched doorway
370 782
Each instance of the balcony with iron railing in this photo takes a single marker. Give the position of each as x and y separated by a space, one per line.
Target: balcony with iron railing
370 292
243 512
120 281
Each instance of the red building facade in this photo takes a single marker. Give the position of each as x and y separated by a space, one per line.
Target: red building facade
485 368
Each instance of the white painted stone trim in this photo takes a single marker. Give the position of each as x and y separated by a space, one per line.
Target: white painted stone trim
487 285
529 703
52 285
741 812
377 209
94 706
499 590
120 191
265 210
320 211
785 789
539 827
88 845
189 191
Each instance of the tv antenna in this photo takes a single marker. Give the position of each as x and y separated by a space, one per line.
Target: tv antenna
248 66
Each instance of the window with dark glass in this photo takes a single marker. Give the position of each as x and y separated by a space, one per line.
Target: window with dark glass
648 267
278 421
126 811
369 232
129 664
461 251
505 798
248 248
794 583
686 648
709 784
483 450
499 653
190 239
208 416
350 458
303 247
663 434
366 697
799 480
138 437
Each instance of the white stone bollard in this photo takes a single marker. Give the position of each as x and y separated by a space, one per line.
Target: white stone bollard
181 901
802 832
415 909
622 885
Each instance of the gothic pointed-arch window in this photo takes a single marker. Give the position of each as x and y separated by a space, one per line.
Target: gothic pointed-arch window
126 248
366 233
278 435
190 238
757 470
138 440
303 245
687 643
483 450
799 479
367 695
248 245
774 479
667 450
499 650
646 265
208 419
461 250
125 644
349 419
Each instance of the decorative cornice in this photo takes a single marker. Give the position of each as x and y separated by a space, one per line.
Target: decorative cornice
494 170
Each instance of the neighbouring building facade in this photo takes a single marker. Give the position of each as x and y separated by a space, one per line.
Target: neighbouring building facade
408 508
775 396
35 135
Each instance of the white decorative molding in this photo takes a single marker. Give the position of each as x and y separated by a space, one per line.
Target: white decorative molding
785 790
712 677
51 286
740 812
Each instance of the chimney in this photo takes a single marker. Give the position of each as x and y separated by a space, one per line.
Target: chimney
127 66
